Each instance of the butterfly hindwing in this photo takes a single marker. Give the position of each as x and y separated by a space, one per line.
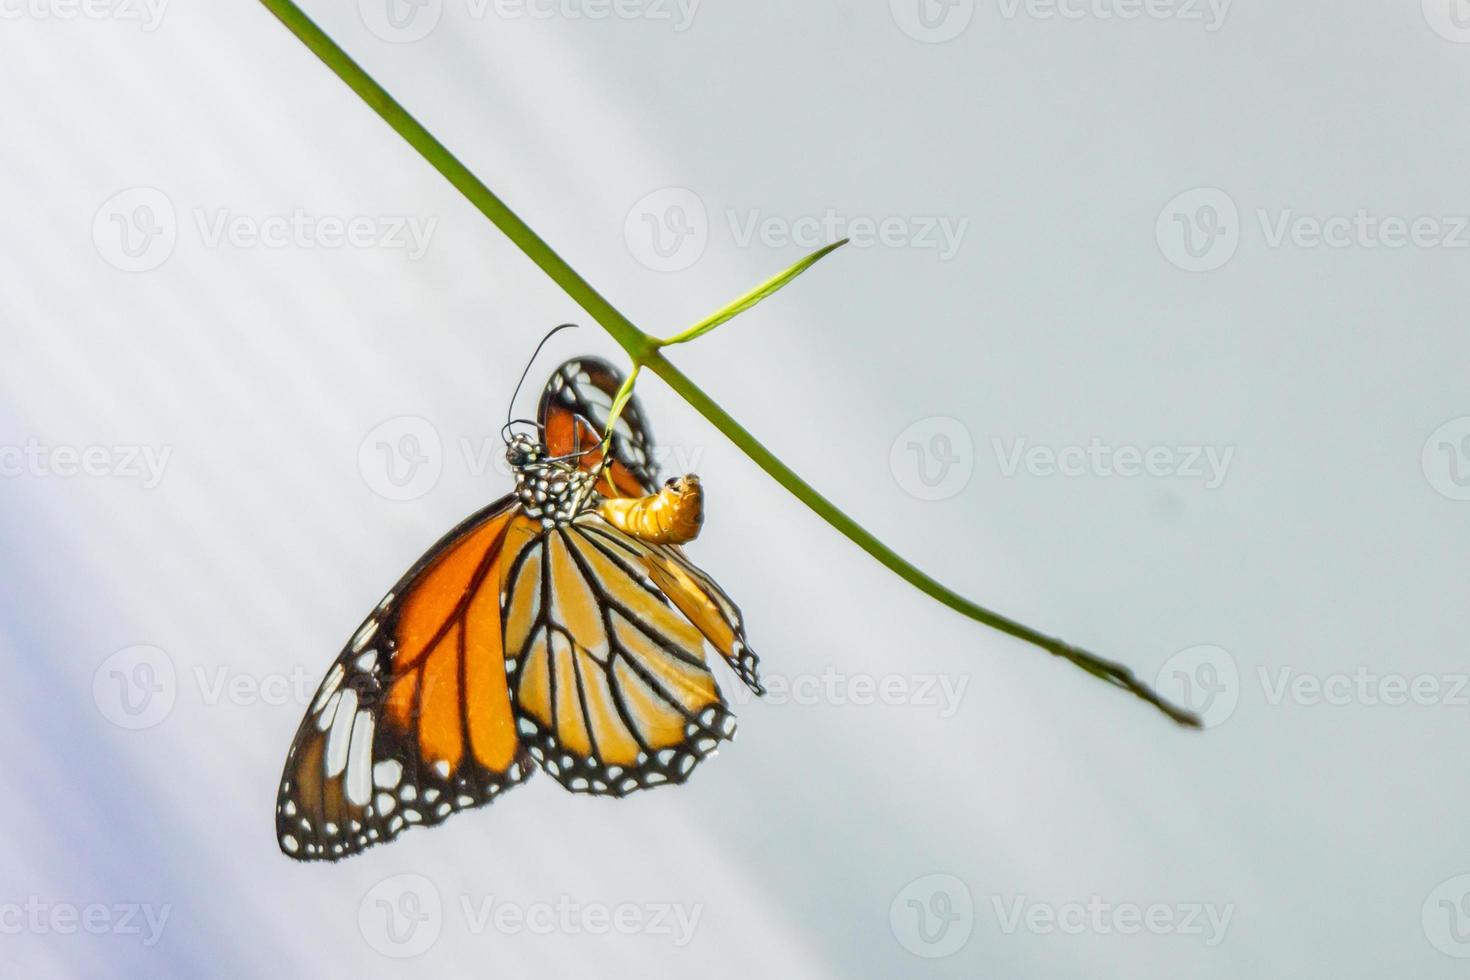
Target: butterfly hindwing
608 680
413 721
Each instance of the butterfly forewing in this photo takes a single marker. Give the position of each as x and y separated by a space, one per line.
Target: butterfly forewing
413 721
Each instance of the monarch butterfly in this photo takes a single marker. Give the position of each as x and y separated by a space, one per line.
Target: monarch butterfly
561 626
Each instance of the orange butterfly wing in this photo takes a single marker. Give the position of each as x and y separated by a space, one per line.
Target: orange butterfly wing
413 722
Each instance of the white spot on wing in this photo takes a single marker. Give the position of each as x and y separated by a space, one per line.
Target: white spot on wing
360 760
364 634
338 738
324 720
329 687
387 773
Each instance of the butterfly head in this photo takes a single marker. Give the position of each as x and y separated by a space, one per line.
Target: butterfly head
521 451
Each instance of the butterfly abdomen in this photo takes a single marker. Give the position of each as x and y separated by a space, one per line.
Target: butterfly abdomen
671 516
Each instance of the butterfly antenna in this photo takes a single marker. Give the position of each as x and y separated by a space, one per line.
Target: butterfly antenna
505 429
511 407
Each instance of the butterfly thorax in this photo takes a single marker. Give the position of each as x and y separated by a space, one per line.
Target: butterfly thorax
549 490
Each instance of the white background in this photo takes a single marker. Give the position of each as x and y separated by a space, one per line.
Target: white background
1068 313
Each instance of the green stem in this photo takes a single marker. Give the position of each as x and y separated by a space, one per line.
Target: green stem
630 338
643 350
1114 673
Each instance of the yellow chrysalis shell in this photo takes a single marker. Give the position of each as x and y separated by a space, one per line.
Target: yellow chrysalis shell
671 516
